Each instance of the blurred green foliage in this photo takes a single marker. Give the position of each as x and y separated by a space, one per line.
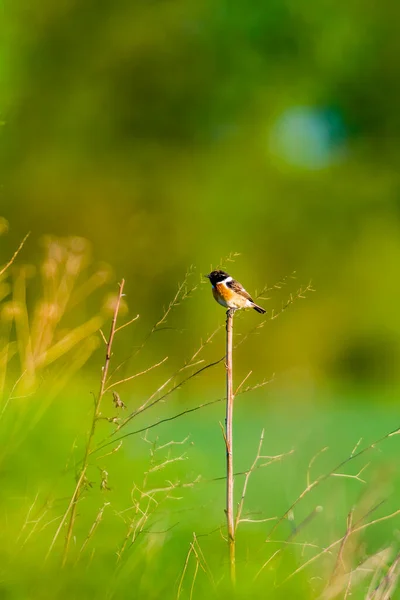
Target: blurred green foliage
151 129
169 134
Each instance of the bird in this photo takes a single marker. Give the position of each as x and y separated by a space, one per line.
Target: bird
230 293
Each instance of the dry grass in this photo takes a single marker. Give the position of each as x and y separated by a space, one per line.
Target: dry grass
43 345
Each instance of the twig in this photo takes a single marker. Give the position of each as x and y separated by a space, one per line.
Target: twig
167 462
172 443
14 256
126 324
185 566
246 481
292 298
239 387
182 294
196 570
194 548
153 400
357 476
339 558
157 423
356 576
93 528
339 541
326 476
310 464
388 584
135 375
181 414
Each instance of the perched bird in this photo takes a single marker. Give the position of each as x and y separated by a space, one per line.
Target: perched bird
231 293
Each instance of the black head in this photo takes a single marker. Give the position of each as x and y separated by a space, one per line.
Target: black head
216 276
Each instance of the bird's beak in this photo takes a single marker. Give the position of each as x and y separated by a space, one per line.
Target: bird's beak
208 276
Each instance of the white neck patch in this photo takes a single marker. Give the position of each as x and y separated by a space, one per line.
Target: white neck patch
226 280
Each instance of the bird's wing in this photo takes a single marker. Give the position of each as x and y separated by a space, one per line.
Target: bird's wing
237 287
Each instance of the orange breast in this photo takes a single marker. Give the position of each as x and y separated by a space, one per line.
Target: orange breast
218 297
225 293
228 297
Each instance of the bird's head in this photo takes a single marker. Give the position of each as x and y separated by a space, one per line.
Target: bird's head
217 276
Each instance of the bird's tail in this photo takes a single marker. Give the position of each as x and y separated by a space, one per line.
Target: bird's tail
259 309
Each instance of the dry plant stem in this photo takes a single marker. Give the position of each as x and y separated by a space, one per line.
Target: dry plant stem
339 559
182 294
388 584
246 481
80 483
311 485
14 256
201 562
186 412
338 542
229 445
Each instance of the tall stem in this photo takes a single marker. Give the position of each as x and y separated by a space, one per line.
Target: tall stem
229 445
72 506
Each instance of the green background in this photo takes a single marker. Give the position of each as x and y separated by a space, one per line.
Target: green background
146 139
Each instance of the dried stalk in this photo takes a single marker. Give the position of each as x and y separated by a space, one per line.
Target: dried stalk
14 256
311 485
355 529
229 445
72 506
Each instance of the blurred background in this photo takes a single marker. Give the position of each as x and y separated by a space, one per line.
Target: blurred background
153 138
173 133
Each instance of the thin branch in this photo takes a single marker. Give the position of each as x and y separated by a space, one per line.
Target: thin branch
246 481
300 294
326 476
182 293
177 416
258 520
157 423
339 558
310 464
93 528
113 451
108 388
270 559
185 566
196 570
14 256
103 337
172 443
126 324
258 466
152 400
276 286
239 387
167 462
195 548
388 584
354 576
339 541
357 477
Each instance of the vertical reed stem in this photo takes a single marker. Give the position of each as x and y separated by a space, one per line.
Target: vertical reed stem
229 446
72 507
